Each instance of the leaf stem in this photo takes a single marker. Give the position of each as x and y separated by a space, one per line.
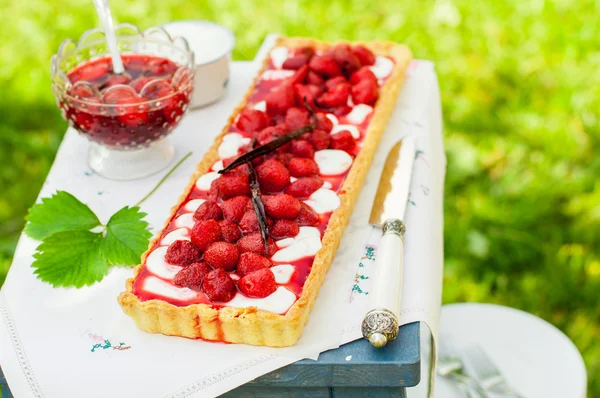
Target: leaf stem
162 180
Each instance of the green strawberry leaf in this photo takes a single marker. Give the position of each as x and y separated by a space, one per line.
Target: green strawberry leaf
61 212
126 237
71 258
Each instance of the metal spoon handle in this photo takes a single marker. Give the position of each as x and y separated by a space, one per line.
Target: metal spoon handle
103 10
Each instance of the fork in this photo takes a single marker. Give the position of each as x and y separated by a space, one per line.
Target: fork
451 367
487 374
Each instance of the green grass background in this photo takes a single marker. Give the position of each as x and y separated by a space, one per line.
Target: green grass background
520 85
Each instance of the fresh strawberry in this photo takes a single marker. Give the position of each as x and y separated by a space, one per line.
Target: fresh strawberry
252 120
303 149
303 167
325 66
343 141
230 231
139 83
307 216
334 82
296 61
272 176
192 276
338 96
270 133
206 232
299 58
302 188
299 77
363 73
319 139
222 255
341 110
296 117
303 92
85 121
284 157
234 208
365 92
250 262
257 284
364 55
231 185
254 243
249 222
281 206
208 210
315 79
284 229
218 285
116 79
182 252
280 100
343 56
323 122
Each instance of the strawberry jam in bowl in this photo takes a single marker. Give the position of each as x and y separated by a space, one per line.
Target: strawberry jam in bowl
126 116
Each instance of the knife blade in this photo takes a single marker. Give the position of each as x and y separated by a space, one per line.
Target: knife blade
380 324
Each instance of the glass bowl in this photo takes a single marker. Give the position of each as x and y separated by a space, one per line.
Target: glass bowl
127 116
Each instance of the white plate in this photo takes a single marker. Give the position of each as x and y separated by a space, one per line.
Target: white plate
535 357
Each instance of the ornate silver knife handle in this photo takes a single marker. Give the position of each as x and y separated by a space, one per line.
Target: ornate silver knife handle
380 324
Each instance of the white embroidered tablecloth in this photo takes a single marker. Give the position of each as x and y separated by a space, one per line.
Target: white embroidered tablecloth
77 342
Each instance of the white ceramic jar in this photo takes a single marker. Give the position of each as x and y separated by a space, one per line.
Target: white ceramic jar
212 45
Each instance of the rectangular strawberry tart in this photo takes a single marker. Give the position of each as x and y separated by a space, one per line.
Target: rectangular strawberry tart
246 249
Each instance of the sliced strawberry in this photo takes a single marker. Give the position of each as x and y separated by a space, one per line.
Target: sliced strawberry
363 73
252 120
192 276
364 55
302 188
325 66
218 286
254 243
284 229
272 176
339 96
280 100
364 92
303 149
208 210
303 167
206 232
257 284
182 252
307 216
234 208
230 231
250 262
281 206
319 139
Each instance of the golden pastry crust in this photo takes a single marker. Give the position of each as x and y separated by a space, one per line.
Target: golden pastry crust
251 325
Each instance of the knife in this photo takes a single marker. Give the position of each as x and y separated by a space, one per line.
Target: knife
380 324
